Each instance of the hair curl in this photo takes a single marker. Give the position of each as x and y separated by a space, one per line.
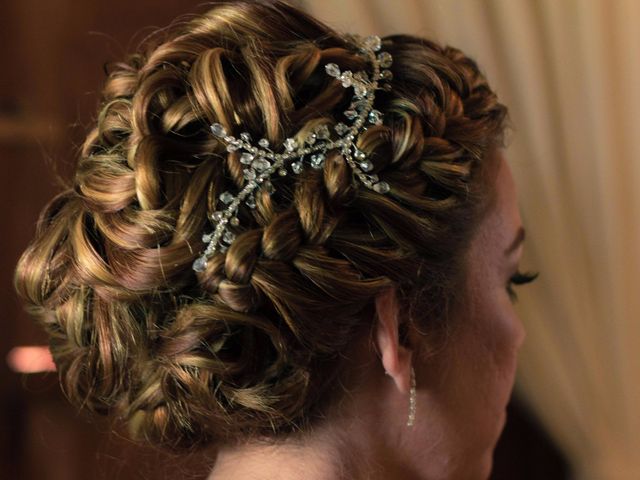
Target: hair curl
251 345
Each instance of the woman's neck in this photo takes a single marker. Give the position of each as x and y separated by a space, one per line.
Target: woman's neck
321 455
278 461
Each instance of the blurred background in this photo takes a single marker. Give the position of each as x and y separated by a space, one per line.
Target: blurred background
568 70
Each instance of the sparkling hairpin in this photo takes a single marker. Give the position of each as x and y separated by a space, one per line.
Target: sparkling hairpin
261 161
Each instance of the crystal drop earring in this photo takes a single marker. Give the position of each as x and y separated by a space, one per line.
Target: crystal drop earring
412 400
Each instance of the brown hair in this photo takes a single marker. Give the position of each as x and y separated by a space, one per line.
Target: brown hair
250 346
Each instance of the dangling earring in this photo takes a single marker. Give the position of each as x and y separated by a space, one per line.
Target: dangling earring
412 400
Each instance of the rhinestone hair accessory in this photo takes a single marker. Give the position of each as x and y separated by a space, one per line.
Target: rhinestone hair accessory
261 161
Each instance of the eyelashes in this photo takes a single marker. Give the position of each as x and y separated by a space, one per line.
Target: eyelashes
518 279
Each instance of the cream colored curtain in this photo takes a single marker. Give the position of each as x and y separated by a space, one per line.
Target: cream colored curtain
570 72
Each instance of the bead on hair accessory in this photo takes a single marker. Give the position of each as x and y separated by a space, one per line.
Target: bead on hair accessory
261 161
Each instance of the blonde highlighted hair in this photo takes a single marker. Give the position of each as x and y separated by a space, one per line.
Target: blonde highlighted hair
251 346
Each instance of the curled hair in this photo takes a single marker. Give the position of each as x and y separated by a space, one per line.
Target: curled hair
251 346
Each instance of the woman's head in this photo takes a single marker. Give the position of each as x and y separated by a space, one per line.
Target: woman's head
253 345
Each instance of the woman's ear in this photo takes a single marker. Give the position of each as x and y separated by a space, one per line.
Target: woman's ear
396 358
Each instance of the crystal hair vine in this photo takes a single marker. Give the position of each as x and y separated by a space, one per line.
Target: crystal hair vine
262 161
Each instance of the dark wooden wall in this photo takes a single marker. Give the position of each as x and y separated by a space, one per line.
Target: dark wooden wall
52 54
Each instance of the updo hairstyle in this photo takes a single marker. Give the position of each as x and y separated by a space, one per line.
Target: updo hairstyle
253 345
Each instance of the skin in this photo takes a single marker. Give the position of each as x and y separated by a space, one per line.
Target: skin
462 389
